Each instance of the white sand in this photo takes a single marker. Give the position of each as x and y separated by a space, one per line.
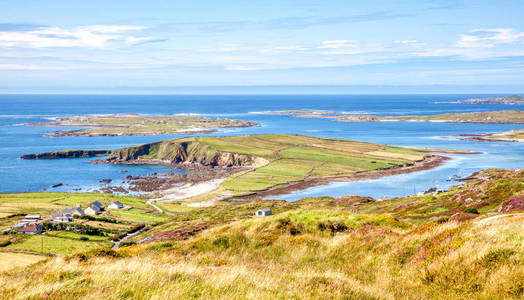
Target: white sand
189 190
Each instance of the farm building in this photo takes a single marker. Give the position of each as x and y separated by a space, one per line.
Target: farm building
63 219
31 228
77 211
264 212
97 204
116 205
92 210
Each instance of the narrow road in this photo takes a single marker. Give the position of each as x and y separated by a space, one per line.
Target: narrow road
117 243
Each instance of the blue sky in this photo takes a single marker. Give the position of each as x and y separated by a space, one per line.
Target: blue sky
154 45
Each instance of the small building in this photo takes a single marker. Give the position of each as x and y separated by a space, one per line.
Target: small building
63 219
32 228
77 211
32 217
116 205
98 204
264 212
92 210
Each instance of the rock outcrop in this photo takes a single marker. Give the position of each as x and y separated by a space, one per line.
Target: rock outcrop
67 154
180 151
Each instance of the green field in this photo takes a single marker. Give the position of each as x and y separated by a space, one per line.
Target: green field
276 158
294 158
56 245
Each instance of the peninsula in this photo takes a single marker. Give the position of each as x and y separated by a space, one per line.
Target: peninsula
132 124
513 99
276 163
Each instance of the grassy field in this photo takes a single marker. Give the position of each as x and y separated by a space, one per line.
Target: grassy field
10 260
140 125
56 245
316 248
276 158
294 158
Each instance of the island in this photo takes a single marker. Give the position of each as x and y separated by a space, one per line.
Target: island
489 117
508 136
67 154
132 124
512 99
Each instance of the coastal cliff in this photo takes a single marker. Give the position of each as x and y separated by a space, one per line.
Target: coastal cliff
176 152
67 154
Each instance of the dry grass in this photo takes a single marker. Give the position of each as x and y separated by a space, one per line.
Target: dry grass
258 259
10 260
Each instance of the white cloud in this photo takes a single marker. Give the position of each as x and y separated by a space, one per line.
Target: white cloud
487 38
241 68
406 42
94 36
337 44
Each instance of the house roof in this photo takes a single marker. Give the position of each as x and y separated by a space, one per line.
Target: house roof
67 211
266 209
32 217
31 227
117 203
97 204
94 207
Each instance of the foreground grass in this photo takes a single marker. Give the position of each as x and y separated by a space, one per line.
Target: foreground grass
262 259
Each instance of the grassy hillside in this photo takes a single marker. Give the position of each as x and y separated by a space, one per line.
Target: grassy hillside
349 247
286 158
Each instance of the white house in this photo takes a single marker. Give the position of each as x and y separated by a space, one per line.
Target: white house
63 219
92 210
264 212
116 205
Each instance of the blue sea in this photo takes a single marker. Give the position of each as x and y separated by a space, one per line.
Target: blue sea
17 139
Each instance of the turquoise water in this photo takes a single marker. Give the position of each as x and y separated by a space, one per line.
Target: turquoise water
16 139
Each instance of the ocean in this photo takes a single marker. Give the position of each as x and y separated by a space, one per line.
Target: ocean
17 139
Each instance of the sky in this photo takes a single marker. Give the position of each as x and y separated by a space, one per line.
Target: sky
190 46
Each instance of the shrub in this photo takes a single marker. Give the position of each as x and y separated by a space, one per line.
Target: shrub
103 252
471 210
495 257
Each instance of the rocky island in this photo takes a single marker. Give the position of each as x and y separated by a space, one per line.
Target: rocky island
512 99
67 154
132 124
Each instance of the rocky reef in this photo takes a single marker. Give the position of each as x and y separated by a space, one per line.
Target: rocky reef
67 154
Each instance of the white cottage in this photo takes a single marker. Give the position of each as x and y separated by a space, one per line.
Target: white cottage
264 212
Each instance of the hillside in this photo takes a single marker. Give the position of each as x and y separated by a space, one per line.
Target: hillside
465 243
